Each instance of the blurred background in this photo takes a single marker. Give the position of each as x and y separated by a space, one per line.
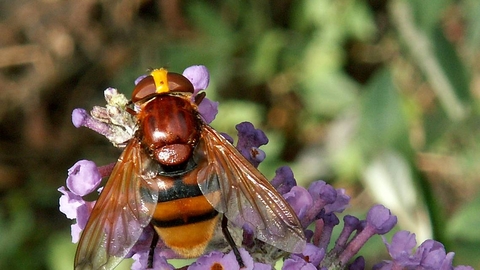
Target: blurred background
381 98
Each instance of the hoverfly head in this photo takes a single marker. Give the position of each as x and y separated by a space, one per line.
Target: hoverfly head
158 82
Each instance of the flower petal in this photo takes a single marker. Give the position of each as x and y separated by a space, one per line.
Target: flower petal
208 110
83 177
198 76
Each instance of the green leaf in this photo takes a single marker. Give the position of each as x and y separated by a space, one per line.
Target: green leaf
328 93
461 224
472 10
383 123
267 55
453 67
428 13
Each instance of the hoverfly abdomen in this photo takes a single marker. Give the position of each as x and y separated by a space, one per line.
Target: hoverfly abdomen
180 203
170 129
184 218
175 189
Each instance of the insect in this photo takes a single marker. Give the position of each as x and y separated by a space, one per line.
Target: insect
182 177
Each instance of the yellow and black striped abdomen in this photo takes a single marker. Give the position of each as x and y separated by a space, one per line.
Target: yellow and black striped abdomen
183 218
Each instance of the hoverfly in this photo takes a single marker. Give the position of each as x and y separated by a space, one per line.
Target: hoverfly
180 176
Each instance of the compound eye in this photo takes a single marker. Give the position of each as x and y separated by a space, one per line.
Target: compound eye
144 89
178 83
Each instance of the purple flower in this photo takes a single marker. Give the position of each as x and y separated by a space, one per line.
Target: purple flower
141 262
83 177
283 180
261 266
83 213
80 118
297 263
322 195
218 260
74 207
215 260
322 192
324 229
249 140
402 245
350 224
69 202
208 110
429 255
198 76
340 204
300 200
379 221
432 255
311 254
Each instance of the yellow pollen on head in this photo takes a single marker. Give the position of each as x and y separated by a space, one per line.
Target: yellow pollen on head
160 79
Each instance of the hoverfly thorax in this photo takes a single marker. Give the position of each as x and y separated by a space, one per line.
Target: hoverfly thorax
168 121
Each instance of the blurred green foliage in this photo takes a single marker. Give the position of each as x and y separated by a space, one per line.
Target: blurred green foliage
378 97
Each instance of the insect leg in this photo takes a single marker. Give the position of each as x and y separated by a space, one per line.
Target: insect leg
230 241
152 250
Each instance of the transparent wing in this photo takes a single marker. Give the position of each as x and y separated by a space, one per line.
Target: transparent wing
247 197
123 209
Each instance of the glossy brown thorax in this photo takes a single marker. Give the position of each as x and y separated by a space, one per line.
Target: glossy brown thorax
169 126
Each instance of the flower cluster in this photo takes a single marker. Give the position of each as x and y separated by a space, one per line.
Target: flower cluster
429 255
316 207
